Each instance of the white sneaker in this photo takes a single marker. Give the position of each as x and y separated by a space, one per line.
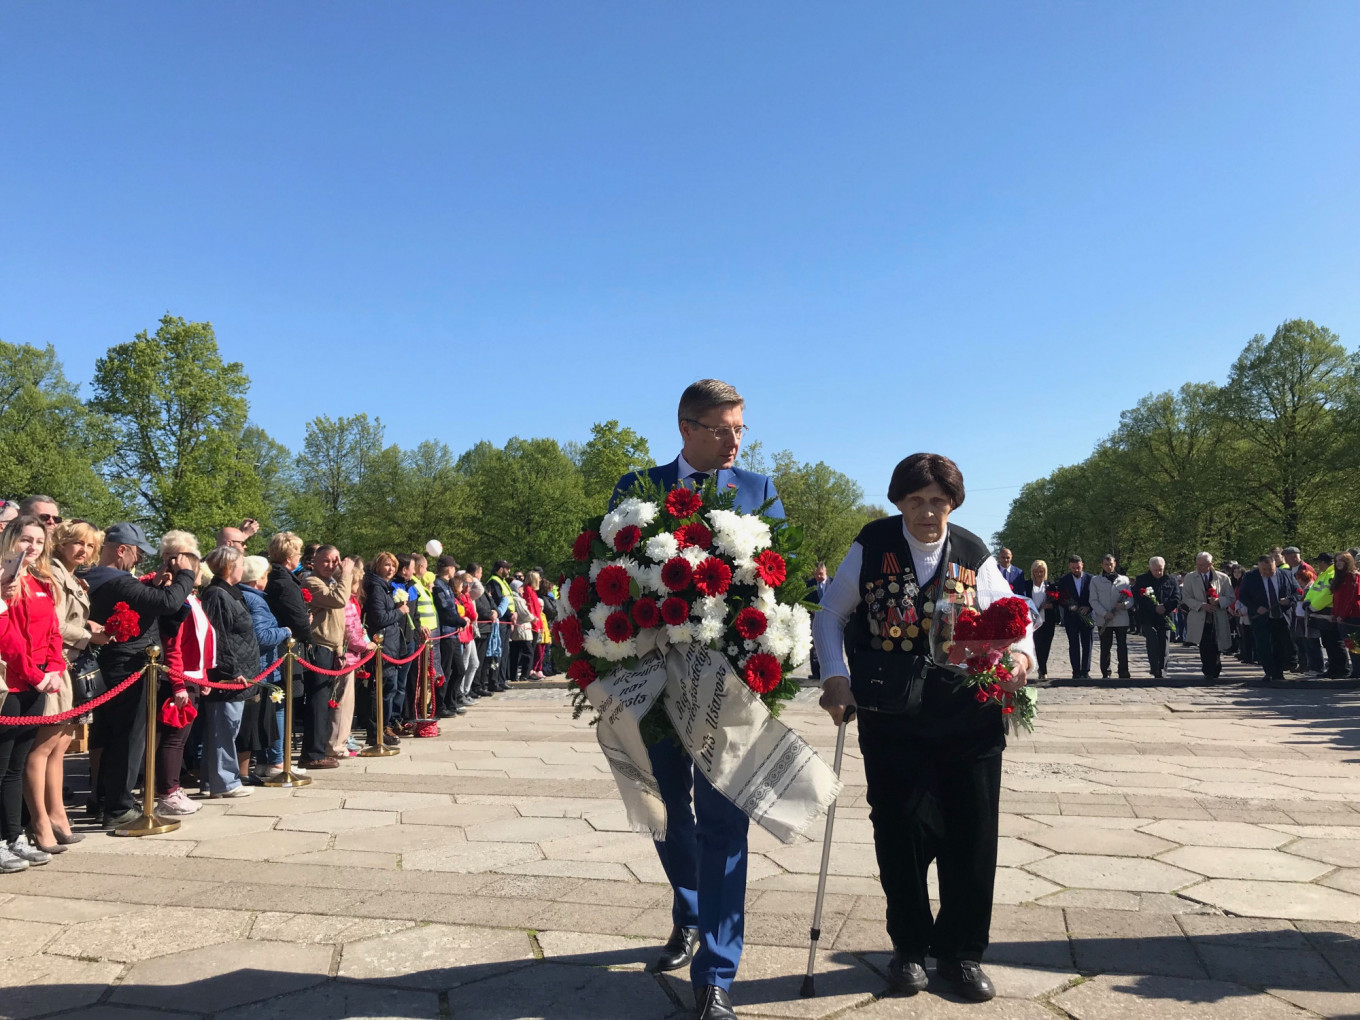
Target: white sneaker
269 771
240 791
9 862
175 804
24 850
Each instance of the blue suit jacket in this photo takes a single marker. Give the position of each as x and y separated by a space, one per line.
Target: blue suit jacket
1258 592
1013 575
752 489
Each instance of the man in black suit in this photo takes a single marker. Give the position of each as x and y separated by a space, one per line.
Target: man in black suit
1075 595
1268 599
816 589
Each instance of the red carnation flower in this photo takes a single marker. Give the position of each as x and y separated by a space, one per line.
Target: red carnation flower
712 576
627 538
123 623
676 573
333 703
569 635
646 613
771 568
763 673
693 534
617 626
1006 618
582 672
612 585
683 503
1126 593
307 595
580 550
674 611
578 593
750 623
968 625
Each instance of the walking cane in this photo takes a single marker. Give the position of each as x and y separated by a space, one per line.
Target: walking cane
809 988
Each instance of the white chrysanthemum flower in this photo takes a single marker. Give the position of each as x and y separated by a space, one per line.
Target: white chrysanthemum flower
662 547
650 579
694 555
598 614
636 570
711 607
680 634
563 589
629 512
740 536
732 651
595 569
594 643
764 600
745 573
710 630
750 646
615 651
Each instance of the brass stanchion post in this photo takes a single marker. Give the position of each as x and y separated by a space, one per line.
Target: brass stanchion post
288 777
378 749
149 824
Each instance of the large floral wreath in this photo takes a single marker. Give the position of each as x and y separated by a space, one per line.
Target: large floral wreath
683 567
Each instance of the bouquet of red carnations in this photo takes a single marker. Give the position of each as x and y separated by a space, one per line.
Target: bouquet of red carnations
981 643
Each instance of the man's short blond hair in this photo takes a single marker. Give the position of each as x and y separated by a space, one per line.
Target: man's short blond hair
706 395
284 546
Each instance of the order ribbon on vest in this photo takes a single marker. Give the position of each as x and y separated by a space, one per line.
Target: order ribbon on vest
750 757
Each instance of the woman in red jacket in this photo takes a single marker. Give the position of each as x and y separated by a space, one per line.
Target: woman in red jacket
30 644
1345 596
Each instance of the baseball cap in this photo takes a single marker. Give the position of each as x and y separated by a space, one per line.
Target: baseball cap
126 533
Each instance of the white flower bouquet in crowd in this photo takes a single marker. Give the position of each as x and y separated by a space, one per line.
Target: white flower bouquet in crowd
679 568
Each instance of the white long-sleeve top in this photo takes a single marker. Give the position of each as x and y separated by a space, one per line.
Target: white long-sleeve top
842 597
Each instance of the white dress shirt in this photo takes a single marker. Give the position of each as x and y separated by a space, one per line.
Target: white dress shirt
842 597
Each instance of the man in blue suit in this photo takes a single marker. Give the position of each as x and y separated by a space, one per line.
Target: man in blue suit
1013 574
704 852
1074 592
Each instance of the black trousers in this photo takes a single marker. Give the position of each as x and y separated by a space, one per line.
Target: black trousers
521 659
1210 662
316 705
479 683
1330 635
1156 647
1273 645
933 799
15 743
1078 646
1118 636
505 665
122 726
451 665
1043 642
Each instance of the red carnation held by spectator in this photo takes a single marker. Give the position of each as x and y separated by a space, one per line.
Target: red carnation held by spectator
683 503
123 623
617 626
693 535
646 613
582 673
580 549
578 594
307 595
332 703
674 611
676 573
771 568
712 576
626 538
569 635
763 673
612 585
750 623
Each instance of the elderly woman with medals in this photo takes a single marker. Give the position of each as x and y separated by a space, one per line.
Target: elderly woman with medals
932 752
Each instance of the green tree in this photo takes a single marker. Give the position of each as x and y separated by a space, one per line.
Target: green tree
178 416
611 452
827 504
529 501
49 440
336 458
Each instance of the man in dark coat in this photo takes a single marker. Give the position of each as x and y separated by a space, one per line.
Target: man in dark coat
1074 589
1155 597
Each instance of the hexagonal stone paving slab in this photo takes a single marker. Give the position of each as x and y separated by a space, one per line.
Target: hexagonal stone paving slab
1277 899
1133 874
1107 842
554 991
45 984
1242 834
340 1001
225 975
1237 862
159 931
470 858
1340 853
1114 997
436 956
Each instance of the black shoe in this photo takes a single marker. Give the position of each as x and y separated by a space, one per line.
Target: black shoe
967 979
906 977
460 709
712 1003
447 713
391 740
679 948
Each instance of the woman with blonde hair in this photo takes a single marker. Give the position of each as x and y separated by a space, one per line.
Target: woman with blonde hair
30 645
357 645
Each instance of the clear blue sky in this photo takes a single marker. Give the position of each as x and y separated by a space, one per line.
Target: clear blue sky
977 229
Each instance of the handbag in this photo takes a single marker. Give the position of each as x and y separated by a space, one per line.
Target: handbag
87 680
887 682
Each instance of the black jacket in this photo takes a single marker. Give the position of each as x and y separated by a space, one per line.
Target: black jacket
446 605
1259 592
109 586
238 653
1025 587
486 614
381 616
283 593
1071 602
1164 589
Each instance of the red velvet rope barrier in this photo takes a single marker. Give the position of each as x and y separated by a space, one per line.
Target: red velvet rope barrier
177 675
70 713
335 672
411 658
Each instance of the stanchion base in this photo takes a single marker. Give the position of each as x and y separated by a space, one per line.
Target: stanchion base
374 751
148 826
289 779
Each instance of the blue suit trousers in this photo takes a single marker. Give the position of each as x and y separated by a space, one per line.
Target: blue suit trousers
704 856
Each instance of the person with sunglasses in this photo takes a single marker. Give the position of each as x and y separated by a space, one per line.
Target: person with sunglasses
704 853
45 509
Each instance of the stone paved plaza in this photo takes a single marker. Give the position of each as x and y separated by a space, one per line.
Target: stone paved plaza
1187 852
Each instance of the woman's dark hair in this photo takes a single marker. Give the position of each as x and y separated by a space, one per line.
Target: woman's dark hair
923 469
1323 557
1344 565
404 560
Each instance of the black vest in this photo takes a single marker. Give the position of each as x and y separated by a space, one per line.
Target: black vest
889 635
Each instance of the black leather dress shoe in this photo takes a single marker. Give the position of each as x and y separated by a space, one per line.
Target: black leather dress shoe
967 979
679 948
713 1004
906 977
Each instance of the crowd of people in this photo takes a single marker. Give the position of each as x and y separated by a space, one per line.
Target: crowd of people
77 622
1284 614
